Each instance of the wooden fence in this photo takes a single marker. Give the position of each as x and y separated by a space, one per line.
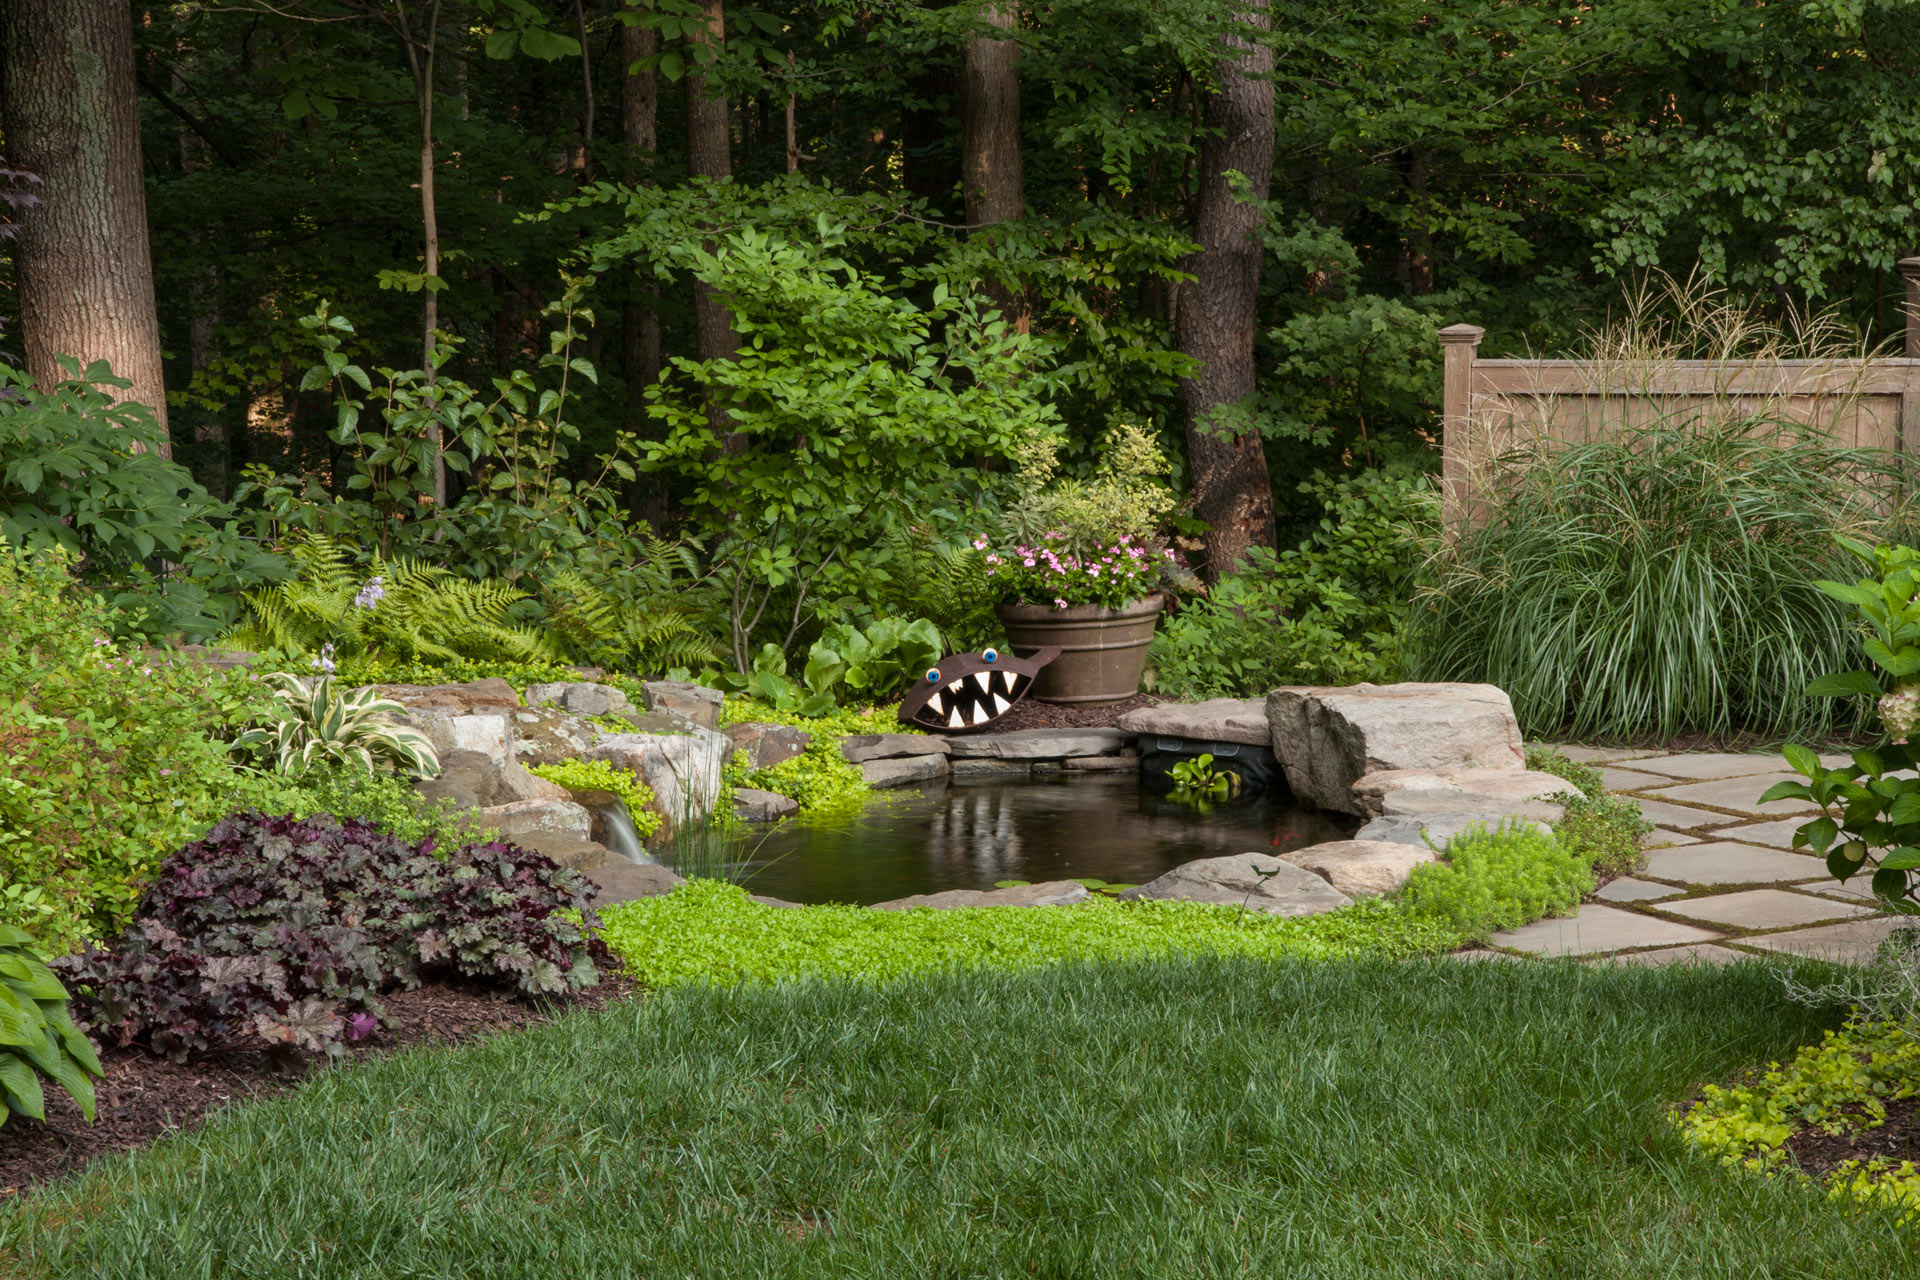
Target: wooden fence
1492 409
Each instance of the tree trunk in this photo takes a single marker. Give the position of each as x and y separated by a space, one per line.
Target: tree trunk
640 314
84 272
421 61
710 155
990 124
639 92
1216 318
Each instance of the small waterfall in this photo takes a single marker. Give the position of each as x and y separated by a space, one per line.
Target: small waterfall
622 840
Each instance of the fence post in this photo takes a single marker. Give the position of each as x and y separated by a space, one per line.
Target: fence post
1459 342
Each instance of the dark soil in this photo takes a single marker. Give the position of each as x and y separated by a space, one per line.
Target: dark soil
144 1097
1896 1140
1033 714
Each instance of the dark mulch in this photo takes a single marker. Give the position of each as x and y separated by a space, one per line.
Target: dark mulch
1896 1140
144 1098
1033 714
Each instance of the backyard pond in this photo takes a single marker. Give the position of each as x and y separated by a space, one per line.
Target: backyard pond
970 835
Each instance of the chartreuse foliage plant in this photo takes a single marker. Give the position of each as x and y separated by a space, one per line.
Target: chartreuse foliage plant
311 722
37 1036
1500 878
1602 829
598 775
1840 1086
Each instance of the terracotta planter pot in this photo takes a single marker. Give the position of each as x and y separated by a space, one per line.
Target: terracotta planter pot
1102 651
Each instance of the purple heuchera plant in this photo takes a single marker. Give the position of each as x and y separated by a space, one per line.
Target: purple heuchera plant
283 932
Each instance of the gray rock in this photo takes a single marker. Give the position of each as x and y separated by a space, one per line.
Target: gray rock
1102 764
1037 744
1284 889
626 881
975 770
577 852
684 770
767 901
580 697
753 805
547 735
1329 738
1429 804
513 782
1361 868
1217 720
492 694
768 744
861 747
660 722
517 819
467 780
1434 831
904 772
696 702
1053 893
490 733
1494 788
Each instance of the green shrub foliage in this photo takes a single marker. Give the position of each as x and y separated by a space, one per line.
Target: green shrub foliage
283 932
38 1038
1499 879
311 722
1601 829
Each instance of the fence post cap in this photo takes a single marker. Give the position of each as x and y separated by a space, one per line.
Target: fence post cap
1472 333
1908 267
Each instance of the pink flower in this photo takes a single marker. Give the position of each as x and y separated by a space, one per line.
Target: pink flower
979 544
993 559
1028 562
1094 569
1058 603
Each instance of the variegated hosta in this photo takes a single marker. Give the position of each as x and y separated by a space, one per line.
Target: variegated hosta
315 722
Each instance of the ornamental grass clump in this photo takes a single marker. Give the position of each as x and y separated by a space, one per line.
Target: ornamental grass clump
279 932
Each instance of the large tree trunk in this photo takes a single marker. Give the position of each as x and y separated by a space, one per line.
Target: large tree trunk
84 271
640 314
1217 312
990 139
710 155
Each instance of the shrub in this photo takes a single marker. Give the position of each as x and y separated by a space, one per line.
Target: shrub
1499 879
284 931
37 1035
310 722
1661 583
1602 830
1330 611
598 775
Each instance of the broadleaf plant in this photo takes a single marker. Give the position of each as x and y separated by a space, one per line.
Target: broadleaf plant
38 1038
314 723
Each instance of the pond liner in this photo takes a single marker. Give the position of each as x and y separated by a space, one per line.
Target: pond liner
1258 767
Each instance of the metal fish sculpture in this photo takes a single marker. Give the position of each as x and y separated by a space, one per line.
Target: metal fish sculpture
972 690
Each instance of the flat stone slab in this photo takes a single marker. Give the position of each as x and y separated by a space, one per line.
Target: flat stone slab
750 804
625 881
1661 838
1434 830
1597 755
1697 953
1626 779
1741 795
862 747
1052 893
1038 744
978 770
1764 909
1677 816
1595 928
1704 765
1493 788
1851 942
1718 862
1482 954
1628 889
1262 881
1437 804
1217 720
1360 868
1102 764
1777 834
903 772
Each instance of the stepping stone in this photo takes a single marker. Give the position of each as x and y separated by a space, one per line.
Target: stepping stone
1628 889
1598 928
1631 779
1260 881
1038 744
1677 816
1852 942
861 747
1052 893
1661 838
1741 795
1704 765
1718 862
1763 909
1242 720
1776 835
1598 755
1858 889
1697 953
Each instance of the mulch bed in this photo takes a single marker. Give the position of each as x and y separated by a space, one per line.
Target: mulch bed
1030 713
144 1097
1896 1140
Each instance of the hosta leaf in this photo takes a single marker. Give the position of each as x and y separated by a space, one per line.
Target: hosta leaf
21 1084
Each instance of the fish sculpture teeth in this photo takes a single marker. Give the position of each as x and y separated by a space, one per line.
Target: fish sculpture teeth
1000 705
954 721
984 680
969 691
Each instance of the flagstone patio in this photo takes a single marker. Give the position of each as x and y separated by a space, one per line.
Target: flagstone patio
1722 881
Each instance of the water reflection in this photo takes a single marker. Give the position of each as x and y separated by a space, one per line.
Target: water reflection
970 835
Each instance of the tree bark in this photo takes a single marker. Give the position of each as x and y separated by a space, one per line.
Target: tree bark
85 274
990 124
710 155
640 314
640 92
1217 313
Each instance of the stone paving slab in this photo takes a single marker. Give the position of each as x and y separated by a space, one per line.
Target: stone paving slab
1697 953
1661 838
1618 778
1858 889
1678 816
1718 862
1598 928
1704 766
1851 942
1763 909
1629 889
1777 834
1598 755
1741 795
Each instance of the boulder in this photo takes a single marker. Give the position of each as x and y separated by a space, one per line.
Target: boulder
696 702
1494 786
449 729
768 744
1329 738
861 747
1037 744
517 819
1435 830
1102 764
684 770
1217 720
1430 804
467 780
904 771
513 781
1053 893
580 697
548 735
1263 882
492 694
625 881
753 805
1360 868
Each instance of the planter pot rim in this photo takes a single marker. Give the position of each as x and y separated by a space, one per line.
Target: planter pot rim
1080 612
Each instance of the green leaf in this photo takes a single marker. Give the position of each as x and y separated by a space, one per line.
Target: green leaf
1785 791
1802 759
1902 859
1889 885
1817 835
500 45
1845 685
21 1084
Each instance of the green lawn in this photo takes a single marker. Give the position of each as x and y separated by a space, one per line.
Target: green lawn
1180 1118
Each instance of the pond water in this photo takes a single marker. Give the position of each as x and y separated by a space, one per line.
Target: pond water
969 835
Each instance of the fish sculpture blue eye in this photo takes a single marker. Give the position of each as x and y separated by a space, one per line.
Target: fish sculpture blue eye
990 655
972 690
933 675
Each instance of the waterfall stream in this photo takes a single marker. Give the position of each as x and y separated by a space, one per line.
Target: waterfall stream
622 840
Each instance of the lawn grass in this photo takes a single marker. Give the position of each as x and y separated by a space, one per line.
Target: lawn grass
1193 1117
